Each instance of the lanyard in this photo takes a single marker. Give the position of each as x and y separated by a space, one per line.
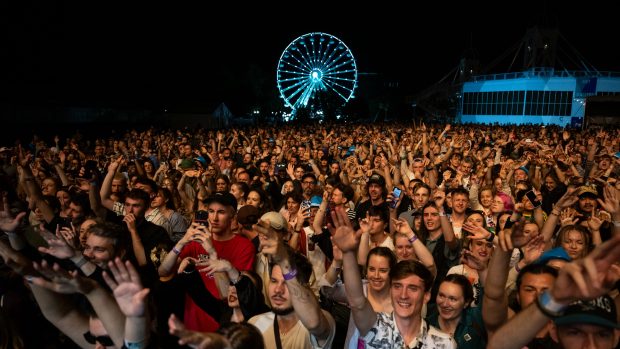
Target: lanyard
276 330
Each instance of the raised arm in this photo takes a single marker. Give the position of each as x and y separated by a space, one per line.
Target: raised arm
61 281
348 241
305 304
583 279
495 301
106 186
567 200
421 251
131 299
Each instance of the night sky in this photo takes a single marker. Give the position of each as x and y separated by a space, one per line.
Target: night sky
186 57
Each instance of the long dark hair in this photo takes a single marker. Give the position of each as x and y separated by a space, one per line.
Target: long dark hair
382 252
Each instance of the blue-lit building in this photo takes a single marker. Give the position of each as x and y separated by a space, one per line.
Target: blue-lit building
535 96
552 85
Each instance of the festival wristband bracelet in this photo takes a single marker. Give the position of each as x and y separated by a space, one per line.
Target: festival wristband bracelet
290 275
413 239
79 261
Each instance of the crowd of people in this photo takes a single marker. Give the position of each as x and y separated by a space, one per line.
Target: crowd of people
315 236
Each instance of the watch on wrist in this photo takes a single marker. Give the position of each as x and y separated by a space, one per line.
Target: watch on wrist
549 306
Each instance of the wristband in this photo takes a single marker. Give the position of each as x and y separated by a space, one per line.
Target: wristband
413 239
517 267
176 250
135 345
491 237
290 275
80 262
549 306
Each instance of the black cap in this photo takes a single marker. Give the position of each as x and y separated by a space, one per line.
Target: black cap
223 197
377 179
600 311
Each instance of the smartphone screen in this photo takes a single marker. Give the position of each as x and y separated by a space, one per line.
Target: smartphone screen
532 197
396 193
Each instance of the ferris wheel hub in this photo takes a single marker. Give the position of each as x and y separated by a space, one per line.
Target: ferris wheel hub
316 75
316 62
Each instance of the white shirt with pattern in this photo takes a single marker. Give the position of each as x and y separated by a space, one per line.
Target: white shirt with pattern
385 335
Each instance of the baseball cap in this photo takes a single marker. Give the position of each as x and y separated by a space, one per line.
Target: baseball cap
554 253
186 164
524 169
224 198
248 215
316 201
587 190
201 160
376 179
600 311
276 220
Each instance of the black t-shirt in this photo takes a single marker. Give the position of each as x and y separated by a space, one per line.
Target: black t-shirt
363 207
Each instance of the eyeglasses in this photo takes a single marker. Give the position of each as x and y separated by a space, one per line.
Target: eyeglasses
307 182
103 340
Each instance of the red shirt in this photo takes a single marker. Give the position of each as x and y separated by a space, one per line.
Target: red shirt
239 251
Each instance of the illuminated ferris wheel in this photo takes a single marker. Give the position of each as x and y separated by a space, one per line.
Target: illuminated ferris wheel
313 63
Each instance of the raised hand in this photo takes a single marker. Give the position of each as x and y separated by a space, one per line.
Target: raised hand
15 260
57 246
611 203
127 288
476 232
270 240
114 165
594 223
202 235
194 339
589 277
568 217
7 222
513 237
439 197
185 263
402 226
70 235
211 266
61 281
568 199
365 224
533 249
343 235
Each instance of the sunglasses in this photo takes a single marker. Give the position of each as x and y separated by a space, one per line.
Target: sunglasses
103 340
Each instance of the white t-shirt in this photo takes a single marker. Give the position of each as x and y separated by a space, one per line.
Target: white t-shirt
297 337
